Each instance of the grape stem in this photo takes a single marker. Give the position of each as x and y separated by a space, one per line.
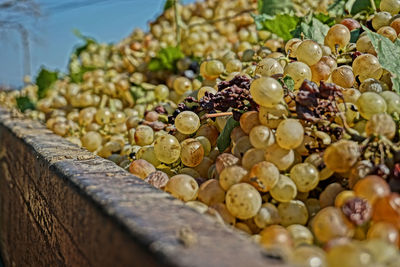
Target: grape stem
215 115
177 23
373 5
223 18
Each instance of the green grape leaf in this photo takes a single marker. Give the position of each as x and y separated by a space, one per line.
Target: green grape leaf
168 4
325 19
337 8
354 34
44 80
24 103
358 6
388 55
314 30
289 82
281 24
166 59
273 7
88 41
77 77
224 139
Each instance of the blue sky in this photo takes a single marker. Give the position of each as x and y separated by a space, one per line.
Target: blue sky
53 41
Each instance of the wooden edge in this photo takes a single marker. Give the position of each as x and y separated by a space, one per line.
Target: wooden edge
157 225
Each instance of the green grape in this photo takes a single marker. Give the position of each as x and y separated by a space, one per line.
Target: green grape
342 155
204 166
147 153
349 255
299 72
309 52
350 113
167 148
300 234
205 89
187 122
392 101
337 37
231 175
267 215
103 116
161 92
189 171
293 212
141 168
343 76
281 157
267 175
248 120
233 65
183 187
205 143
289 134
192 152
364 45
276 239
211 192
144 135
271 117
251 157
391 6
371 85
351 95
261 137
370 103
291 47
243 201
388 32
381 124
367 66
310 256
381 19
91 141
284 190
242 145
266 91
382 252
268 67
305 176
182 85
320 72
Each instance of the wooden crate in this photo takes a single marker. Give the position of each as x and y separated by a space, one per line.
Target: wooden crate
63 206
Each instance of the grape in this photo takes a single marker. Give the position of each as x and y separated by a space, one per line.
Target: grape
183 187
365 45
242 146
381 19
329 195
387 209
392 6
370 103
320 72
388 32
337 37
347 255
248 120
167 149
289 134
209 131
277 239
285 190
103 116
305 176
231 175
91 141
236 134
392 101
224 160
308 256
141 168
281 157
367 66
343 76
182 85
270 117
243 227
384 231
211 69
268 67
252 157
371 85
205 143
309 52
233 65
395 24
299 72
329 223
381 124
342 155
293 212
300 234
243 201
211 192
147 153
144 135
351 24
351 95
187 122
267 175
261 137
291 47
192 152
267 215
350 113
221 209
205 89
371 188
266 91
330 61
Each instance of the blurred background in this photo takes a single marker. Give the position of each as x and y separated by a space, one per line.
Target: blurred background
35 33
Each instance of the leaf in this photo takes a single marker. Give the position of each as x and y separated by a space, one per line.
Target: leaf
166 59
388 55
354 34
337 9
24 103
224 139
281 24
314 30
168 4
273 7
289 82
77 77
44 80
325 19
88 41
358 6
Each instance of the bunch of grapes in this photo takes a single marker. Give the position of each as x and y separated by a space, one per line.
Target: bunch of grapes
309 170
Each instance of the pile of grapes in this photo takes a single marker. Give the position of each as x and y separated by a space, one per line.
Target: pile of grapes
294 141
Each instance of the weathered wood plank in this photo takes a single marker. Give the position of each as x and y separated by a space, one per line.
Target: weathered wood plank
63 206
